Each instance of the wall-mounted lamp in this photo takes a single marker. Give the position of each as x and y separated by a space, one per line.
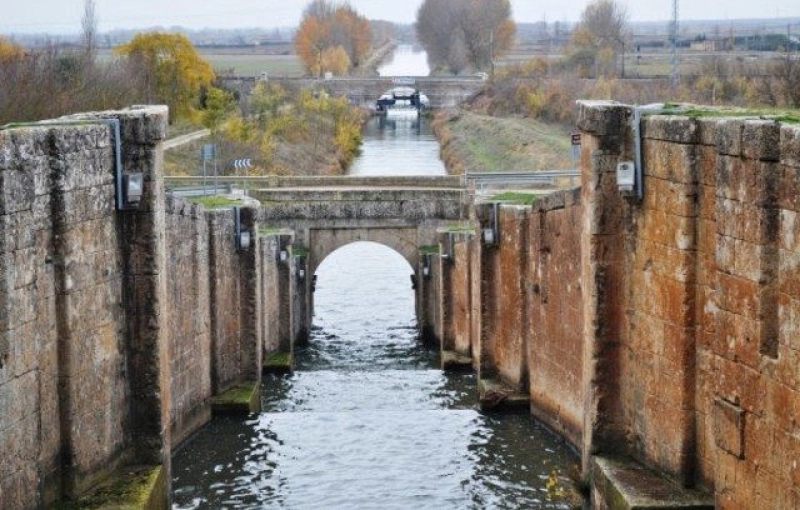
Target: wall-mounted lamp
242 237
448 247
490 229
626 176
426 266
134 187
301 268
283 255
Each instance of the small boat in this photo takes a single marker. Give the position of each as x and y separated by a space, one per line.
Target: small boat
401 101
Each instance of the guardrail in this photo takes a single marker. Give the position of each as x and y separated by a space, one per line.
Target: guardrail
486 180
176 183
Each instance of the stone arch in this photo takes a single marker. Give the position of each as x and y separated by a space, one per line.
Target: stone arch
323 242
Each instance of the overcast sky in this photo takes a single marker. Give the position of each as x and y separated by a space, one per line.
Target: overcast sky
63 16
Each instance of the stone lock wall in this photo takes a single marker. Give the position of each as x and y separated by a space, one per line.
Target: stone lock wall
113 323
67 383
701 383
188 316
663 328
555 323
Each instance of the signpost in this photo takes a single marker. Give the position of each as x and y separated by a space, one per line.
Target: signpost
243 164
208 153
575 142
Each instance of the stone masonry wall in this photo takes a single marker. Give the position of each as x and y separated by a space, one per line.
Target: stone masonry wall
65 356
188 316
112 323
697 373
555 345
504 338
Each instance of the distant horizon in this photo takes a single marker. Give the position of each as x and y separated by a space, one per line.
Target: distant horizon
63 17
792 20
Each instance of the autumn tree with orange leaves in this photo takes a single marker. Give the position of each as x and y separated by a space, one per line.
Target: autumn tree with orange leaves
332 38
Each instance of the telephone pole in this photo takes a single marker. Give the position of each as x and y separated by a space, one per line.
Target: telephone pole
673 32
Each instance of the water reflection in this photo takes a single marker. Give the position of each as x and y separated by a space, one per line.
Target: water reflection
406 61
398 146
367 420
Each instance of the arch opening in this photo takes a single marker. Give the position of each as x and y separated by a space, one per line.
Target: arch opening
364 285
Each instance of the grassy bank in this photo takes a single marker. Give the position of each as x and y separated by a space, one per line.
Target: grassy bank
478 142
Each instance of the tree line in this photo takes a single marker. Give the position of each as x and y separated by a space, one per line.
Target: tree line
465 35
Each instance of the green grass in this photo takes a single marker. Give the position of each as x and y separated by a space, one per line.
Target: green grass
695 112
216 202
253 65
515 197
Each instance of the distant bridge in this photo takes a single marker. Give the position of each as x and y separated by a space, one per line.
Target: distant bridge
442 92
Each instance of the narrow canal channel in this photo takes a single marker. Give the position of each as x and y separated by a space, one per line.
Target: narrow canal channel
367 420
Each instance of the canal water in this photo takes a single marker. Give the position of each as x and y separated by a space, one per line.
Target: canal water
367 420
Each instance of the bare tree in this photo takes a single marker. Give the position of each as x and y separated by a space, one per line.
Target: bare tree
601 33
89 29
465 33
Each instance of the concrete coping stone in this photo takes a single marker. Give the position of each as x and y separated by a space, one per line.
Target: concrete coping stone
627 485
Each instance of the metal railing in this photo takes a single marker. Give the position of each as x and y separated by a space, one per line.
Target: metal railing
488 180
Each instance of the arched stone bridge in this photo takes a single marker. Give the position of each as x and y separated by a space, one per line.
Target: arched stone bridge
442 92
324 214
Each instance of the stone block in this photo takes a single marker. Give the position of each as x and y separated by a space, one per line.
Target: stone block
602 118
671 197
707 131
789 188
729 136
669 161
622 484
748 181
670 128
729 423
790 145
747 222
677 232
761 140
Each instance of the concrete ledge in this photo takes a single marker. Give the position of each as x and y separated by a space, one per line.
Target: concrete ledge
455 362
619 484
495 395
279 363
133 488
244 398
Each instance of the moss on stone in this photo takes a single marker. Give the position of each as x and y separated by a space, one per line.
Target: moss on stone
278 362
299 251
240 399
516 197
698 112
133 489
429 250
216 202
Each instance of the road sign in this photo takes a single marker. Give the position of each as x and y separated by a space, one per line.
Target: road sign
208 152
575 145
241 163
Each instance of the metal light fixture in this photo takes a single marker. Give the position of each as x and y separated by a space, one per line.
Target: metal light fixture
134 186
491 228
242 237
448 247
301 268
426 266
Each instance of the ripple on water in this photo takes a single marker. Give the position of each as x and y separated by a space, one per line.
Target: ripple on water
367 421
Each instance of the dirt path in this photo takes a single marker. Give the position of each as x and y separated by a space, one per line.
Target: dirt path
184 139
